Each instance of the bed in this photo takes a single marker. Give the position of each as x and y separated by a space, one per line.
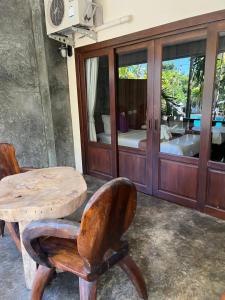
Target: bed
132 138
186 145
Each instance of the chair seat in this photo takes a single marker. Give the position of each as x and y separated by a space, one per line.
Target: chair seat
105 219
63 254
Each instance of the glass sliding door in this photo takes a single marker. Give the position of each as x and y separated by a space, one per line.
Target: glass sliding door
178 102
154 112
218 106
132 99
98 101
98 115
183 67
214 202
133 113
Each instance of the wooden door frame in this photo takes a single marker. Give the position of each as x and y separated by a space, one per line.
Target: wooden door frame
207 164
176 27
149 46
213 23
157 155
82 101
214 30
208 90
150 114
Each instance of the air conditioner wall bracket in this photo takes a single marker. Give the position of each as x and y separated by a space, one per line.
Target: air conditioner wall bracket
85 32
70 40
67 40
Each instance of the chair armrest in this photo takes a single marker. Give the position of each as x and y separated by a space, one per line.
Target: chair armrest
26 169
45 228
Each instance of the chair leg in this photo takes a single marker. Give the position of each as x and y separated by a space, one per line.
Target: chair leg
42 278
13 229
88 290
131 269
2 228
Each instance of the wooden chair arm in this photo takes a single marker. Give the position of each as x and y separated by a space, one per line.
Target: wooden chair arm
47 228
26 169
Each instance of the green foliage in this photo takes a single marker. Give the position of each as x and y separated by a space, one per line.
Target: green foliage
174 83
197 80
220 83
133 72
178 88
174 89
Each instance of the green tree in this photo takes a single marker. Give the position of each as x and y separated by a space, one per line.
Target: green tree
174 89
197 81
133 72
219 97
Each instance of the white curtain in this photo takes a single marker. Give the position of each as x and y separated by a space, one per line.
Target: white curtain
91 78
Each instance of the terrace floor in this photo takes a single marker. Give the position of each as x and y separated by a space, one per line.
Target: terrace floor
180 251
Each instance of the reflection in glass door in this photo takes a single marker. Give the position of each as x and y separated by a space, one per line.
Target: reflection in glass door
132 99
218 106
132 113
183 67
98 115
98 102
178 102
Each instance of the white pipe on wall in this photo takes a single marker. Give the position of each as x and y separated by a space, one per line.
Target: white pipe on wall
110 24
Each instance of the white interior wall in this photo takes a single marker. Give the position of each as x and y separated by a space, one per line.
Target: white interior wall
145 14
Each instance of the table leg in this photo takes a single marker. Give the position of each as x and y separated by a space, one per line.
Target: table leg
29 265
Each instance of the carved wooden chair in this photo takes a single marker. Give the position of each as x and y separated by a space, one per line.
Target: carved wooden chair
88 249
10 166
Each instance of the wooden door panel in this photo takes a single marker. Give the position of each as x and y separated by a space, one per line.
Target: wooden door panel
133 166
99 160
178 178
216 189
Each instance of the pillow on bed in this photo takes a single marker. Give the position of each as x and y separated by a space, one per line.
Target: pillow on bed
106 124
123 122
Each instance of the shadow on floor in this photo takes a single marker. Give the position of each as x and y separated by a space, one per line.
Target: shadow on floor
180 251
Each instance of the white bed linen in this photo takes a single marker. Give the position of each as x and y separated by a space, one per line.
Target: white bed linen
186 145
218 134
128 139
177 130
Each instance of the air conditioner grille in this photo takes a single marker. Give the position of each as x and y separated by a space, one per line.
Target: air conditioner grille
57 12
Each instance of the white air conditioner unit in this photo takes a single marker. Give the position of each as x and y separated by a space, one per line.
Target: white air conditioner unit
62 15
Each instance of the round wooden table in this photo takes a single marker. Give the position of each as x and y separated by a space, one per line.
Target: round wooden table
40 194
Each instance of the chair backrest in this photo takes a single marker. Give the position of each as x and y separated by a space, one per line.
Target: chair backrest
106 217
8 161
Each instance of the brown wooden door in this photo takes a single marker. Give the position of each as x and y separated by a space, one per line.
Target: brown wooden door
212 184
134 107
182 158
178 112
98 125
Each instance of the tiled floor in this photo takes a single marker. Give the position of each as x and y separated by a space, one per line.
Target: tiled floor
181 253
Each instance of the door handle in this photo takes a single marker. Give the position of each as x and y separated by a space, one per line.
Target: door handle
156 124
150 124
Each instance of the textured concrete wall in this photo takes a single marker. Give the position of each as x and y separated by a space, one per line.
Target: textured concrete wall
26 105
59 94
21 117
60 104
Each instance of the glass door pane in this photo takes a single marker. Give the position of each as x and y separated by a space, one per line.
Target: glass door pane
132 99
98 101
181 98
218 107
